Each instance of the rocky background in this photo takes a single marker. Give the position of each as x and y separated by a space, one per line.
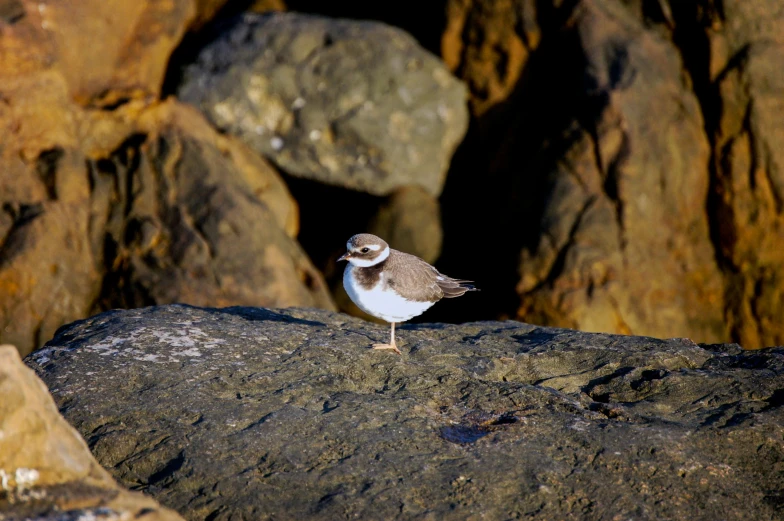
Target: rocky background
606 165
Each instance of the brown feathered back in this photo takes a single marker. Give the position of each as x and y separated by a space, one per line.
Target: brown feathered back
415 279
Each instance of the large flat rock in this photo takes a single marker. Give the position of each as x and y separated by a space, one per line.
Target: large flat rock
246 413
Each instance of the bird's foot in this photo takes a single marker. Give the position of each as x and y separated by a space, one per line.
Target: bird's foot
387 346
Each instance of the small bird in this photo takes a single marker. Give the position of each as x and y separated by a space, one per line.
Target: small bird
392 285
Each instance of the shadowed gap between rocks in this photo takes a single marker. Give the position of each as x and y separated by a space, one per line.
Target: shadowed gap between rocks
496 191
194 42
689 37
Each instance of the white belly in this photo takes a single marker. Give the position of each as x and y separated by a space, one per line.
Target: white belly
382 303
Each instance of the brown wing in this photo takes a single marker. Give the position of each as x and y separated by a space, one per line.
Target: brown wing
453 287
417 280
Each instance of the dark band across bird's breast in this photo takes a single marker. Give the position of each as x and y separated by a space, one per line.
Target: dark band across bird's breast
369 277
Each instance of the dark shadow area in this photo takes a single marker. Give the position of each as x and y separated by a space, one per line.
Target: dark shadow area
462 434
727 415
499 184
534 339
329 216
413 326
166 473
265 315
194 41
426 25
602 380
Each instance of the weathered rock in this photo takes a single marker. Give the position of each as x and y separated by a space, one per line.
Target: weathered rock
204 222
136 39
626 244
46 469
623 104
488 43
251 413
410 220
94 174
355 104
146 204
49 273
742 85
602 164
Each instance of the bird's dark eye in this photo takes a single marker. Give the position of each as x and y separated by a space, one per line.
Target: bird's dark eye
365 250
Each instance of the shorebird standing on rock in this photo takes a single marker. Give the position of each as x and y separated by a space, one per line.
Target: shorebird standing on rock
392 285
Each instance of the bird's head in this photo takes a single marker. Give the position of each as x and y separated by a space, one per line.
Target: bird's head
365 250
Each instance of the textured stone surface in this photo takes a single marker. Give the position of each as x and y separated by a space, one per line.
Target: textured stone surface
251 413
743 91
46 469
205 221
147 204
488 43
49 272
136 39
625 243
355 104
602 164
667 115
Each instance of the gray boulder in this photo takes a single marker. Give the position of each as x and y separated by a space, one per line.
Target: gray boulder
248 413
354 104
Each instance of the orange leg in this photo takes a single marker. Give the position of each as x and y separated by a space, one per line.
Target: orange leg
391 344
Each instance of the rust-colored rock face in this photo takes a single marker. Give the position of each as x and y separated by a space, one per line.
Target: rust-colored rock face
745 41
625 241
633 155
46 469
201 220
154 206
49 272
109 197
106 51
487 44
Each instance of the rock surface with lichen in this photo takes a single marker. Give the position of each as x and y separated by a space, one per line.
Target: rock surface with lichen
258 414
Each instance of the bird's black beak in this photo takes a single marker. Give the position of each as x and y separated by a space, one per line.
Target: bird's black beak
345 256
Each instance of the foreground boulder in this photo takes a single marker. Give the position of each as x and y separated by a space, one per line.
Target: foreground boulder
258 414
46 469
353 104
